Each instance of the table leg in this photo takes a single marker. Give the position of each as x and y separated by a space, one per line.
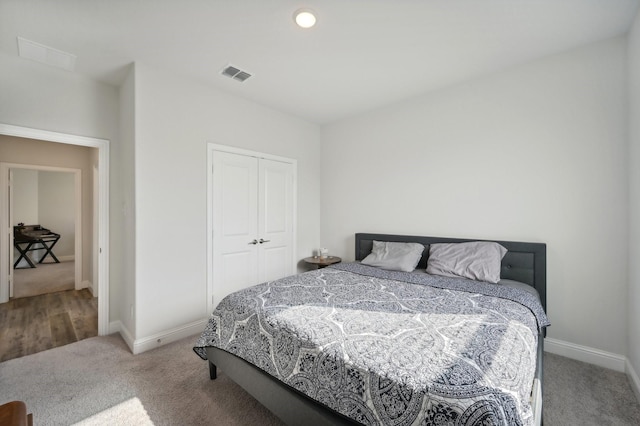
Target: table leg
23 254
49 250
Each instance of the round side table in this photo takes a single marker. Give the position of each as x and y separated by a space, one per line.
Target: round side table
322 262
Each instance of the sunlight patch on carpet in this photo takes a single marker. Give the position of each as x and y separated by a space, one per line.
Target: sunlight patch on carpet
129 412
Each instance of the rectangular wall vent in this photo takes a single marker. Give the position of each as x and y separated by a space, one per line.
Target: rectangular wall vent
47 55
235 73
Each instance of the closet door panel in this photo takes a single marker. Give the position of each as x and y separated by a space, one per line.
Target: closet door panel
275 219
235 219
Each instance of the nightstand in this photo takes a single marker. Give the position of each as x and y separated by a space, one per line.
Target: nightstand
322 262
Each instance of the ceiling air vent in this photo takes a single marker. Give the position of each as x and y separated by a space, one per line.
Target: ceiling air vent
235 73
47 55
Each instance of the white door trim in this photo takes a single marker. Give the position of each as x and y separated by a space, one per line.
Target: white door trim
211 148
6 221
101 245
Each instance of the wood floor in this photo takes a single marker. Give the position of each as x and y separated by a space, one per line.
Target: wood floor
34 324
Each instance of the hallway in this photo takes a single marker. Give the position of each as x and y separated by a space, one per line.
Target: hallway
34 324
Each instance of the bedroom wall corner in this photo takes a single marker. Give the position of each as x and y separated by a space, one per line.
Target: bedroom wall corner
586 354
634 379
126 181
633 300
118 327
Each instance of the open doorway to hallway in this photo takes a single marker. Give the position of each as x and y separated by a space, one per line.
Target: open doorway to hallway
50 313
51 302
47 212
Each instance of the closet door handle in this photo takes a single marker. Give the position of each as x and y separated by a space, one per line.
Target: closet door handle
264 241
254 242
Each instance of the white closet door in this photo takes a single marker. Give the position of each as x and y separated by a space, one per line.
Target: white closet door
235 222
275 220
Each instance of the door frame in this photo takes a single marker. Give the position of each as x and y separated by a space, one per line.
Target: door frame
211 149
100 245
77 189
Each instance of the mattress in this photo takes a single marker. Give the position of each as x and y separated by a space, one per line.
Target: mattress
383 347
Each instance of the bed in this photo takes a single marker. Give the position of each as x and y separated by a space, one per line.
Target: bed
356 344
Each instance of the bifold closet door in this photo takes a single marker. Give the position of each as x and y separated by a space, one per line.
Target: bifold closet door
252 221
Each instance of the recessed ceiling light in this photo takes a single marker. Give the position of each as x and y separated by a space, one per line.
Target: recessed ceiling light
305 18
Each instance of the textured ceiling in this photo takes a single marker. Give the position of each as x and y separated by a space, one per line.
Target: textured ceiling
362 54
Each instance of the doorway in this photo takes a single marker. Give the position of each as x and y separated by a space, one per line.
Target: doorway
49 198
100 274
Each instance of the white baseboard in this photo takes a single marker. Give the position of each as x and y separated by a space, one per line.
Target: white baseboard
66 258
585 354
633 379
159 339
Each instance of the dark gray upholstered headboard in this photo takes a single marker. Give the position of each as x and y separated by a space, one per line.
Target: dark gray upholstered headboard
524 262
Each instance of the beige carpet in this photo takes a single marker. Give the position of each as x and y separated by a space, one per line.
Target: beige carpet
99 382
44 278
577 393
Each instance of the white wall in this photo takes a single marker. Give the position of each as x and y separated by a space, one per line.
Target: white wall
25 196
634 211
174 121
126 180
533 153
56 209
25 204
41 97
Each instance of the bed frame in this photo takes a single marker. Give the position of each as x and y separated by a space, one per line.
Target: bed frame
524 262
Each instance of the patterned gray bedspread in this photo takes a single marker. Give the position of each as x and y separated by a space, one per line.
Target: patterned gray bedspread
389 347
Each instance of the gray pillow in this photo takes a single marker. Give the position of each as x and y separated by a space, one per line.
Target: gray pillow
478 260
394 256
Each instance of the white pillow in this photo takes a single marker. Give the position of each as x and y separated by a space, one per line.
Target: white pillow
394 256
478 260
